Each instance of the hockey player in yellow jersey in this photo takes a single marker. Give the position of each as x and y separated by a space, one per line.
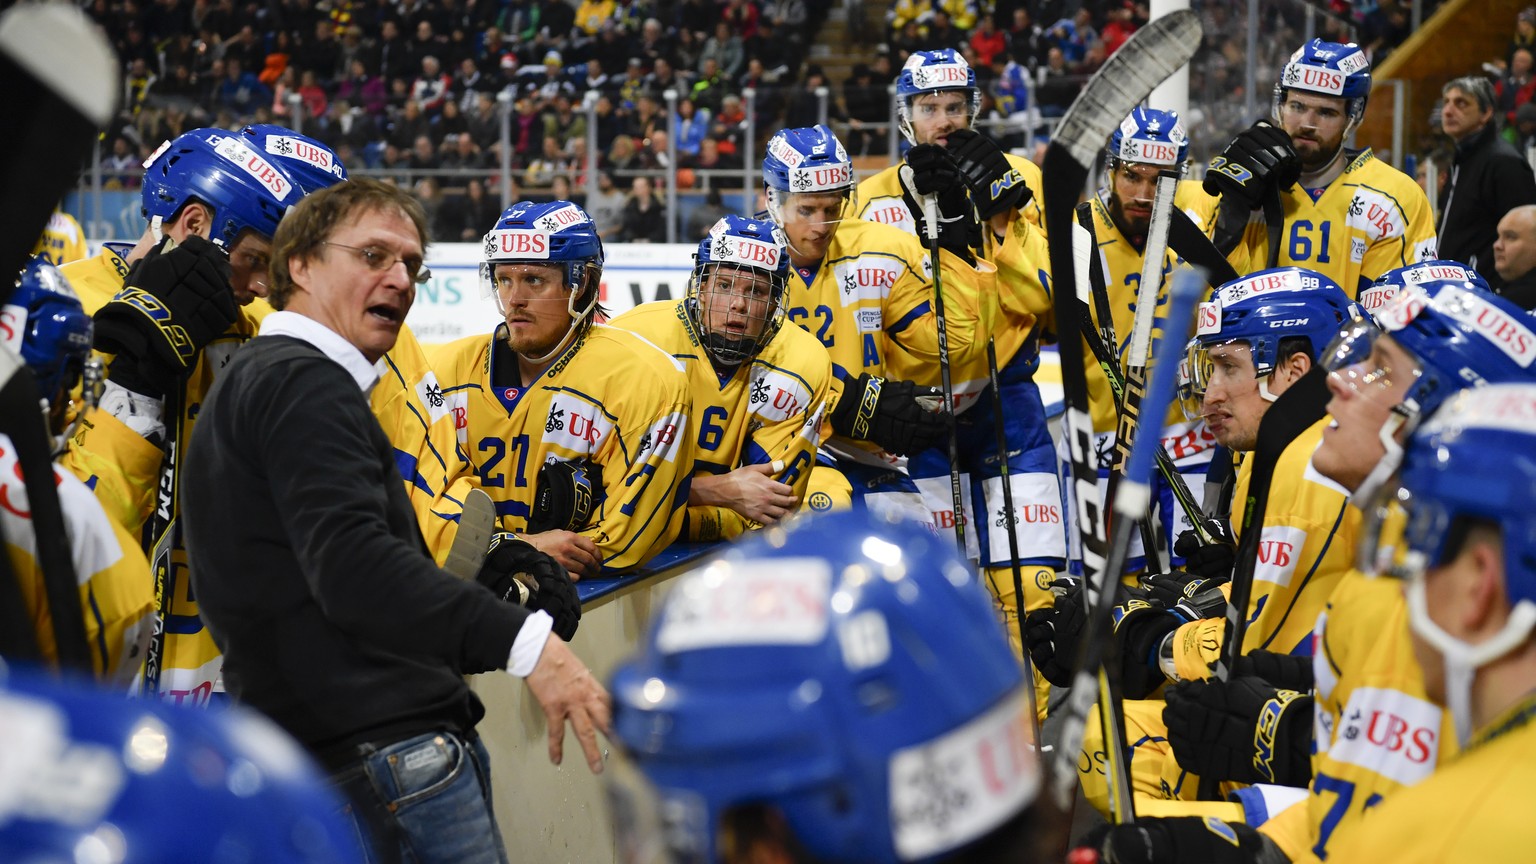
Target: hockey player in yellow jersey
1373 731
42 323
1118 218
1345 213
63 240
169 313
1466 487
1257 338
580 432
759 389
936 95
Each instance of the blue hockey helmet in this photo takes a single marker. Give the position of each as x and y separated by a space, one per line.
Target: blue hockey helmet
1150 137
92 776
808 160
1328 69
557 233
846 671
243 188
44 323
313 165
934 72
1261 310
746 259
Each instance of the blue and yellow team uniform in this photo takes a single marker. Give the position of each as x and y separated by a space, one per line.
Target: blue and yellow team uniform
765 410
1306 546
63 241
610 397
880 197
1188 443
117 594
1370 219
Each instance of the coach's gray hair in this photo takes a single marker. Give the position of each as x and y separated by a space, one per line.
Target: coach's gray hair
1476 86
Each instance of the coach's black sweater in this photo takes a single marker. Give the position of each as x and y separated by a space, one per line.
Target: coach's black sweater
308 566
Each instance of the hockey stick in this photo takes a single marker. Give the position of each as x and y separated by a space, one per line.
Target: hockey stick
58 88
163 533
931 228
1274 224
1110 366
1301 405
1013 533
1152 54
1139 348
477 522
1192 244
22 421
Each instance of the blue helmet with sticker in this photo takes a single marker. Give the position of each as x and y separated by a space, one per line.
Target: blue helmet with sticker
1445 316
1328 69
844 671
1150 137
244 188
807 160
94 776
44 322
740 270
1266 307
934 72
313 165
557 233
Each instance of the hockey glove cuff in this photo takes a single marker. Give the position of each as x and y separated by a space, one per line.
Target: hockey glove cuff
1052 633
1189 596
1285 671
1140 626
520 574
1241 730
1180 838
892 414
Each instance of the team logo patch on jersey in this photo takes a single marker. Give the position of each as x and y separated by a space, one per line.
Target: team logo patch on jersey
870 320
892 212
867 277
664 436
775 396
1427 250
783 602
251 163
429 394
1390 733
1374 214
1356 250
821 502
1279 548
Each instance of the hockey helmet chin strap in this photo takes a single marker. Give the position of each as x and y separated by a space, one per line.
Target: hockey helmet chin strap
1391 457
1462 660
579 320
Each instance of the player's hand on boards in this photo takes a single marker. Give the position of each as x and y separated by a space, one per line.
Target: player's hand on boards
568 692
753 492
575 552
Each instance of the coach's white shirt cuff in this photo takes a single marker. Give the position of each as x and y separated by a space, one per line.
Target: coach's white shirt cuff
529 644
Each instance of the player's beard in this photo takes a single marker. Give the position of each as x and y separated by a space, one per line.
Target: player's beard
1316 154
1133 227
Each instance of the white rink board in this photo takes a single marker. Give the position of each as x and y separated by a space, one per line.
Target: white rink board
450 306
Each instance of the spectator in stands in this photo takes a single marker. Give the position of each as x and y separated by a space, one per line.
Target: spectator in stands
1058 85
1071 35
240 91
1525 33
527 131
632 84
423 155
697 15
432 87
408 125
664 77
1516 87
1027 41
1385 28
710 90
596 79
287 83
607 208
485 122
122 168
393 161
1488 178
312 95
459 153
592 14
987 41
136 85
426 43
363 90
624 158
1522 134
246 48
729 126
322 54
609 123
647 117
550 161
724 47
613 49
656 155
942 33
909 39
742 16
394 54
654 44
349 127
563 123
645 217
177 87
1514 256
465 215
780 55
704 216
687 47
806 105
353 47
710 158
1120 22
277 60
450 122
693 125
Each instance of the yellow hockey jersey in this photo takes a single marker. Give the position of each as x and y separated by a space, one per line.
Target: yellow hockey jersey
63 241
1476 808
880 198
767 410
1376 730
1370 219
611 397
117 594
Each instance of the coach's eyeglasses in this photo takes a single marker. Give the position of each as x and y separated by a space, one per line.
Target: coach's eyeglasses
379 260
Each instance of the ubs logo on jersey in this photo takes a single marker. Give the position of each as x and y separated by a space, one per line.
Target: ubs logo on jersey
777 397
1278 549
576 426
1374 214
1391 733
894 213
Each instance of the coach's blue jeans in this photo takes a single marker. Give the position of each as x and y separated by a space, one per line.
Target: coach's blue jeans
424 800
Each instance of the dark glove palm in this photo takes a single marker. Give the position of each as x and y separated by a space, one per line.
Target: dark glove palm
1052 634
1210 560
934 172
517 572
1259 159
996 186
1241 729
173 303
1174 839
890 414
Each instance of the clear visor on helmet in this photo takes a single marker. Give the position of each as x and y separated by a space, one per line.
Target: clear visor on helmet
1207 364
493 282
1398 534
737 308
1359 358
810 208
931 105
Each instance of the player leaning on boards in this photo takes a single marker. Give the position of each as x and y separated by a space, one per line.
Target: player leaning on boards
42 323
582 433
760 389
1344 213
937 100
310 566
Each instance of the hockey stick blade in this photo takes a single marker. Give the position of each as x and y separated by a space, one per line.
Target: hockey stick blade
477 522
59 86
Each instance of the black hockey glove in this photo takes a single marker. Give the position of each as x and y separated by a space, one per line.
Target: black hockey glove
1242 730
1189 596
1208 560
565 496
518 573
1052 634
1284 671
996 186
1169 840
890 413
1140 626
174 303
934 172
1259 159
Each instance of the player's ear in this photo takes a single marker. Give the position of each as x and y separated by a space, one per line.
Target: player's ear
1293 367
